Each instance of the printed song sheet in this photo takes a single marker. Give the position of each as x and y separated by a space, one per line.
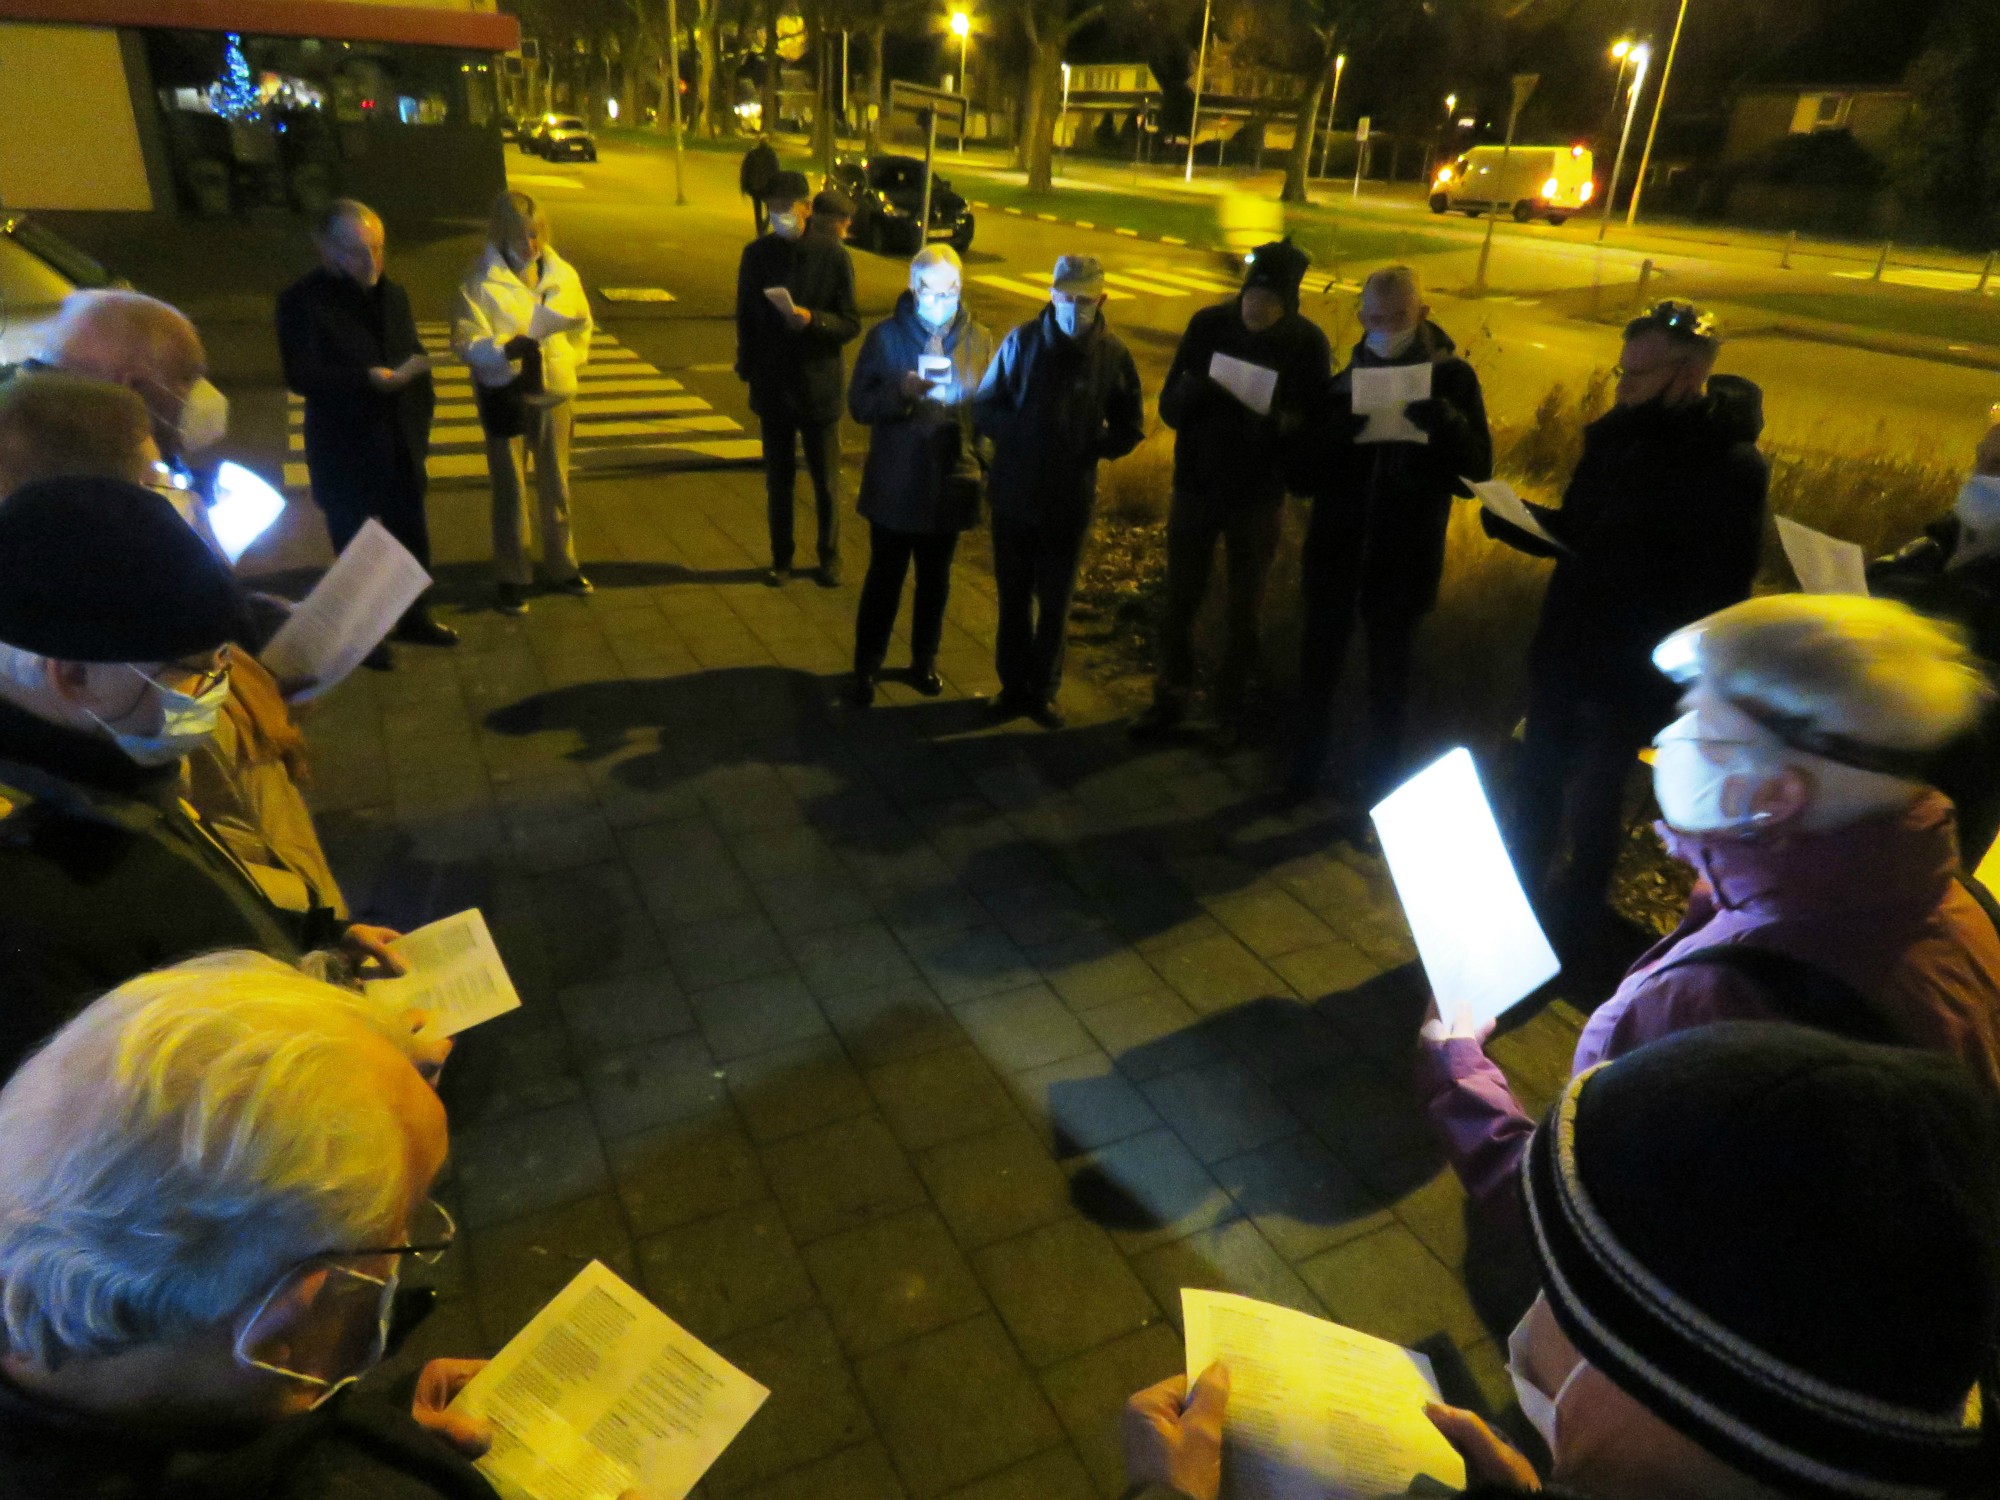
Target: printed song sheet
1498 496
1316 1409
602 1394
1825 564
780 298
1381 392
545 320
1253 385
348 613
455 974
1481 947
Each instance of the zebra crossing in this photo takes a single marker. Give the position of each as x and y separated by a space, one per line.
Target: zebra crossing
622 403
1125 285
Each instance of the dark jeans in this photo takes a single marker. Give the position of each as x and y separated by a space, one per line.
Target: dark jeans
1034 569
398 506
1576 760
783 437
760 215
1335 602
1249 531
889 556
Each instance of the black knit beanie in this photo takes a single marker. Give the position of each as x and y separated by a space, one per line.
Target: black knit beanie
1787 1247
1281 266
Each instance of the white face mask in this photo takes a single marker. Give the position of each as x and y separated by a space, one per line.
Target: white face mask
1691 777
787 226
1391 345
1978 512
1075 318
185 721
937 309
204 418
1540 1408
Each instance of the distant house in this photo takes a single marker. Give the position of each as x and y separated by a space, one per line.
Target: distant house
1120 92
1764 116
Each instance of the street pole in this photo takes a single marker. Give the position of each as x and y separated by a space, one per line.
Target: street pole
845 122
1326 141
1524 85
930 152
1200 68
1659 104
1065 113
674 96
1625 135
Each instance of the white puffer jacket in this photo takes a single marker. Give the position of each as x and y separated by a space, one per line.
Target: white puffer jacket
496 305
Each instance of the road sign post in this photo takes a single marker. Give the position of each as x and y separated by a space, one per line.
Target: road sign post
1360 152
927 104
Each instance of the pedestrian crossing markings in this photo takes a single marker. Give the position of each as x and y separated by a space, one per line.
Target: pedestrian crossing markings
1124 286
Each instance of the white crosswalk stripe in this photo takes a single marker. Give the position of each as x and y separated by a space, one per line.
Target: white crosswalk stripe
1125 284
621 401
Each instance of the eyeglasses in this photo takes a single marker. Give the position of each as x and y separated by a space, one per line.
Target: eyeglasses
211 677
432 1232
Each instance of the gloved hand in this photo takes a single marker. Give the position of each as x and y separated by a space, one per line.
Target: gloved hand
520 346
1432 415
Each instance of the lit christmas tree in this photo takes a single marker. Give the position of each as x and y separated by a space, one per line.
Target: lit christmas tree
234 95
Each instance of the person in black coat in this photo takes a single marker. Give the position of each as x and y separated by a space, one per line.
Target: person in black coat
1229 470
790 359
1061 395
350 348
1374 549
912 386
1661 524
760 165
1952 573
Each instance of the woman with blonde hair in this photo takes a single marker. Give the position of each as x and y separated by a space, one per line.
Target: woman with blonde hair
524 326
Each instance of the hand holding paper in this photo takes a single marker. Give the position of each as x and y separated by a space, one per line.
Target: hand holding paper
780 298
1498 496
451 972
349 611
1381 392
1253 385
546 320
1824 564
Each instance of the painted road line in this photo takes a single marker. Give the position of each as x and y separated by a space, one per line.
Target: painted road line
1014 211
473 465
712 369
1037 293
1157 289
604 383
1194 281
1167 239
975 203
1048 218
608 406
1130 234
1084 224
586 431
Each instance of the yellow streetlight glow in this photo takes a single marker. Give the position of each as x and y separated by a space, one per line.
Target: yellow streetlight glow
1620 49
961 24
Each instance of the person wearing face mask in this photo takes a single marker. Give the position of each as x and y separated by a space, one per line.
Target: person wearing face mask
921 485
1229 474
524 326
1952 573
349 346
200 1255
1769 1266
1061 395
790 359
115 666
1374 549
1828 891
1661 523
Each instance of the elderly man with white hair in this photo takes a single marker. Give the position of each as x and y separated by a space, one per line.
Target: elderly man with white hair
216 1177
149 347
1794 783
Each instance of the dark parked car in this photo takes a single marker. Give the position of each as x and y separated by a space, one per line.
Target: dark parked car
888 194
565 137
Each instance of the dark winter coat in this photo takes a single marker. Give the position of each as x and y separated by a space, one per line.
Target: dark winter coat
104 874
1393 500
1223 449
1054 406
794 373
1663 521
760 165
365 448
924 471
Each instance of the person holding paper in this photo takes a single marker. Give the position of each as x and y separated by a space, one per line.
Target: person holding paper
922 483
1230 450
115 664
1952 573
794 313
1061 395
1828 890
349 346
202 1253
1374 549
1662 523
524 325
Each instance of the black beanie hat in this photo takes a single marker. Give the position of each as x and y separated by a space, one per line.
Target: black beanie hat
786 187
1281 266
1784 1245
100 570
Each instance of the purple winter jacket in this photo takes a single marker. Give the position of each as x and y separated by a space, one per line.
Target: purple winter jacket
1875 904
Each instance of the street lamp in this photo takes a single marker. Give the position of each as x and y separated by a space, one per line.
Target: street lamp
961 27
1621 53
1065 113
1659 103
1641 55
1200 67
1326 138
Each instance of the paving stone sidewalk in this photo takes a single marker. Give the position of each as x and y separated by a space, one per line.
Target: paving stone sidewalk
916 1065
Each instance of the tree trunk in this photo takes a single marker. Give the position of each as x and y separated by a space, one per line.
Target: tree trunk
1030 108
1040 126
822 122
768 87
878 84
704 103
1299 162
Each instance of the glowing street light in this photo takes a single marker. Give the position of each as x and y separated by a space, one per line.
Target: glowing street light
1641 55
1200 68
1659 104
961 27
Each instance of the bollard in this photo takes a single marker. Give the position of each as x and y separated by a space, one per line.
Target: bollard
1986 273
1881 263
1645 277
1791 244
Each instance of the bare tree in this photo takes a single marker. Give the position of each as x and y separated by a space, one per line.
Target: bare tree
1048 26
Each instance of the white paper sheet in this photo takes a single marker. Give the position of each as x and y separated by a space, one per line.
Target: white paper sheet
1253 385
1825 564
455 974
935 368
348 613
1481 947
603 1393
1988 873
545 320
243 509
1381 392
1315 1409
780 298
1498 496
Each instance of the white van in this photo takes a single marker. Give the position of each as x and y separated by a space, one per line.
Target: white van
1538 182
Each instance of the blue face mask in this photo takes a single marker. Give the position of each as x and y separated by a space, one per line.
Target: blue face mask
185 722
1075 318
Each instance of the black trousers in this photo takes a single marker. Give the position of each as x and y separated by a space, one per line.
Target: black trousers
783 437
759 215
890 554
398 505
1034 568
1577 758
1248 531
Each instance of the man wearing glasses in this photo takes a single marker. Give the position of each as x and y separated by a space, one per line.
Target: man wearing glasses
1660 525
202 1254
115 623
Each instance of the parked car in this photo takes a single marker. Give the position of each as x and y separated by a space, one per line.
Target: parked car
510 128
888 195
38 268
1530 182
565 137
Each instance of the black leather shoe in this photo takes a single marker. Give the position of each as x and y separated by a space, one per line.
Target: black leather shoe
861 690
512 599
425 631
926 681
777 576
577 587
1048 716
827 574
1161 718
1005 706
